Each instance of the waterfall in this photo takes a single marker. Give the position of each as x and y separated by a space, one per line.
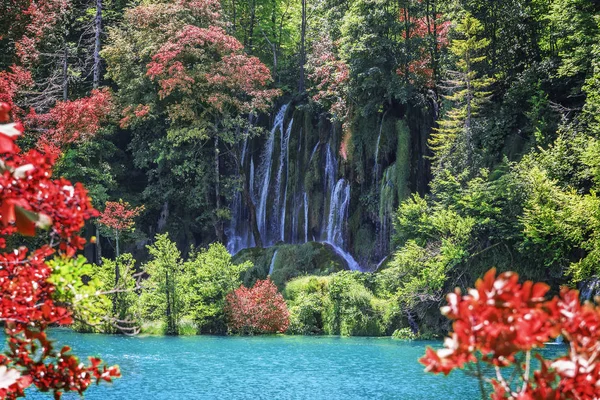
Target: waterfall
338 213
238 233
589 289
352 263
330 166
313 152
285 149
273 182
265 173
272 266
387 195
376 167
305 216
251 180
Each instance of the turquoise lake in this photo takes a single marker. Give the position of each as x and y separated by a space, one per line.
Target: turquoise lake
279 367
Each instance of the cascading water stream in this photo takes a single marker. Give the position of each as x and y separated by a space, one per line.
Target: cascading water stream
338 214
272 266
330 166
313 152
589 289
338 211
271 187
376 167
285 148
305 197
265 173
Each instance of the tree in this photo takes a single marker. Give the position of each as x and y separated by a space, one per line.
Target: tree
164 292
180 48
74 121
119 280
212 276
260 309
454 135
30 294
118 216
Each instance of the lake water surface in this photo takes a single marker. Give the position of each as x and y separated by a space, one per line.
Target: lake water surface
278 367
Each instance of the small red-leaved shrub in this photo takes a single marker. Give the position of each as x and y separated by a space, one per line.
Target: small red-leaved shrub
260 309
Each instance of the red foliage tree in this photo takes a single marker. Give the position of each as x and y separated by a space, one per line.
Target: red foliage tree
28 22
29 199
260 309
77 120
427 35
501 320
212 65
11 82
331 77
118 216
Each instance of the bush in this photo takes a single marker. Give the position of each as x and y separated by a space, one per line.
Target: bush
404 334
349 310
211 277
339 304
260 309
306 315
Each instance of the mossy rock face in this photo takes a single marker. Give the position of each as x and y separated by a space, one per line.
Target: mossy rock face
261 260
291 261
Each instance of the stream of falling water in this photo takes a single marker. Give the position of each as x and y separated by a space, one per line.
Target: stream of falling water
265 173
272 265
271 220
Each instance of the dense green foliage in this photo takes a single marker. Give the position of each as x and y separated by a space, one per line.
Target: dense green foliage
468 133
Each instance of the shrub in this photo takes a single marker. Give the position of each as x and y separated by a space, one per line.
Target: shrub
211 277
306 315
349 310
260 309
404 334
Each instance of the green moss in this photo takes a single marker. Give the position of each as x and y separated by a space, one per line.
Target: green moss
309 258
402 169
292 260
261 261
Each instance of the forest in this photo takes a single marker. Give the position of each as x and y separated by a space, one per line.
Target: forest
368 156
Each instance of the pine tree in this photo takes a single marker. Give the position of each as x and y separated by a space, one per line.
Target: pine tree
468 92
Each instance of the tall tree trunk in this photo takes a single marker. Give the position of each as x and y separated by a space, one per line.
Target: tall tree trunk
98 247
96 83
117 242
218 221
233 17
97 43
65 72
168 309
301 86
117 275
250 34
